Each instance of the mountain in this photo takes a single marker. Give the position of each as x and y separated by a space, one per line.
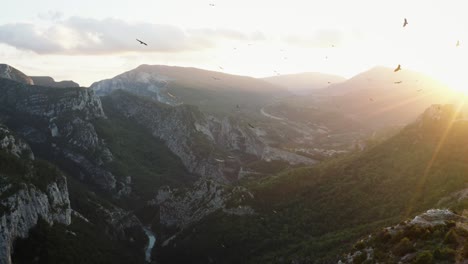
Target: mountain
376 98
304 83
313 214
59 127
213 92
8 72
50 82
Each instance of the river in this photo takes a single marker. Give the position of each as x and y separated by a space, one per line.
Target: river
151 241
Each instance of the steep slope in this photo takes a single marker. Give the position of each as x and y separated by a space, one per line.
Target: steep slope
50 82
312 214
59 125
8 72
214 92
56 123
207 146
304 83
30 190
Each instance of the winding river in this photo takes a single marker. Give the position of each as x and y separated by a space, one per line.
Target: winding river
151 240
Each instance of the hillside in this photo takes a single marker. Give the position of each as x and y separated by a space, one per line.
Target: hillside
212 92
316 213
376 98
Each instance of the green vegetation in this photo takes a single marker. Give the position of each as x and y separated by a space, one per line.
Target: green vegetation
317 213
417 244
81 242
140 155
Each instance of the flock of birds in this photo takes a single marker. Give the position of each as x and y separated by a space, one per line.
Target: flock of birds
397 69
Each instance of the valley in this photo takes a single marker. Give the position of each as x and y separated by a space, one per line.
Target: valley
165 164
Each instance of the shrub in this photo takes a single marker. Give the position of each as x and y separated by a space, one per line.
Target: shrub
424 257
403 247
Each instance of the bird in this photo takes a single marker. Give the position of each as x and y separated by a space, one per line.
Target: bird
405 23
329 82
216 79
212 4
458 43
238 106
250 125
141 42
221 68
371 99
397 68
419 90
398 82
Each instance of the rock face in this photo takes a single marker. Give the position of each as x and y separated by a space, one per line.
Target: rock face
50 82
141 83
8 72
23 203
14 145
58 123
208 146
178 210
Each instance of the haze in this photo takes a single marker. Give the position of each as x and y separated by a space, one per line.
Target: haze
88 40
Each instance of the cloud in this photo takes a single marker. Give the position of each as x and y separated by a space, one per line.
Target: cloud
78 35
319 39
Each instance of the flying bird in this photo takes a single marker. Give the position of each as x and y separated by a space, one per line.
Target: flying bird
398 82
371 99
405 23
212 4
250 125
397 68
221 68
141 42
420 90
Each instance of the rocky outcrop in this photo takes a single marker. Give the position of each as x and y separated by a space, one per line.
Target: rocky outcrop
14 145
50 82
209 146
21 211
23 202
436 234
179 209
141 83
59 124
8 72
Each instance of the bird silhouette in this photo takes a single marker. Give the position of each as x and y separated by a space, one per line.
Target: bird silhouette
420 90
398 82
221 68
141 42
371 99
405 23
250 125
397 68
212 4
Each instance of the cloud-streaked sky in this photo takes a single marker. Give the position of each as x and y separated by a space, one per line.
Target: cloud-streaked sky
90 40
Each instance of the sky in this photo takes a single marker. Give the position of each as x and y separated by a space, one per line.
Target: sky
91 40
